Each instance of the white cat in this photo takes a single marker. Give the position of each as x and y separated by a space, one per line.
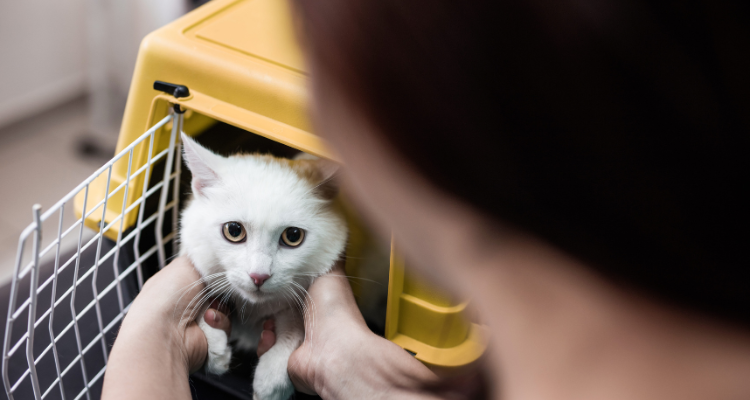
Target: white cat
259 229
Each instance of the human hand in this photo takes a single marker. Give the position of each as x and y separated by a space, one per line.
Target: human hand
267 337
340 357
159 342
170 300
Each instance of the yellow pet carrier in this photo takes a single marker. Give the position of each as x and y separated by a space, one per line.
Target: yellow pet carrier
229 72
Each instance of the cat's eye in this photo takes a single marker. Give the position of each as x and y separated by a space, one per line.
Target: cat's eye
292 237
234 232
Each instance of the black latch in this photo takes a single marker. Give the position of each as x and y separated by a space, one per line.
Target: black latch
177 91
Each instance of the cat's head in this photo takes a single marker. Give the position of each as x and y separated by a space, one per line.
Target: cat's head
263 223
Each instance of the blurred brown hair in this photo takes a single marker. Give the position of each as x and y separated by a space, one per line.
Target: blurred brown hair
615 130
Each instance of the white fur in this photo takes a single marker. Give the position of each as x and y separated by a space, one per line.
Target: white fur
266 196
219 351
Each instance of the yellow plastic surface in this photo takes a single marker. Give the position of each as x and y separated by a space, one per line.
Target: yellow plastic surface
242 66
427 323
241 63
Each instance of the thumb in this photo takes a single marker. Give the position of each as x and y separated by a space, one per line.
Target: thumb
267 337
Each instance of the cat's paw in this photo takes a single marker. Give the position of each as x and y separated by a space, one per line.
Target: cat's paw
278 387
219 358
219 350
267 390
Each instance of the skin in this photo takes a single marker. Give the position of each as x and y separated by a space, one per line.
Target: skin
165 349
153 338
557 330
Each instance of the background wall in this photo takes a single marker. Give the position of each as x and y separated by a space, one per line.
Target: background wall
42 55
65 70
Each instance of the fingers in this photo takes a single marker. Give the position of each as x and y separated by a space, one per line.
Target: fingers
195 346
267 337
216 317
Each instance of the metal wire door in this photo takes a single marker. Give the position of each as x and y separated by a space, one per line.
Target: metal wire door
64 309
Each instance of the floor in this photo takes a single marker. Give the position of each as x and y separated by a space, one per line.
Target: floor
40 162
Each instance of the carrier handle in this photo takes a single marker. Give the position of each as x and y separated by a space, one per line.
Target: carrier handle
175 90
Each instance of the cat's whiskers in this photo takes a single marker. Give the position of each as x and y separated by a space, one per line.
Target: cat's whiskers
199 307
208 287
291 290
308 312
298 302
188 314
242 312
227 297
196 304
187 288
192 285
339 276
286 297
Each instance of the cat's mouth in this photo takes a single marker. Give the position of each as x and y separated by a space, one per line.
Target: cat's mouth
254 294
257 296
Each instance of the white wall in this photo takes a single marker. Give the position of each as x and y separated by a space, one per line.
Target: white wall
42 55
116 28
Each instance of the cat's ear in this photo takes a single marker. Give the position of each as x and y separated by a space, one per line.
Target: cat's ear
201 163
324 174
328 173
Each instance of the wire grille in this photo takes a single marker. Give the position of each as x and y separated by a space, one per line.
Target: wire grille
69 294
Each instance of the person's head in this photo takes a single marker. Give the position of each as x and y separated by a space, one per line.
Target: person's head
614 131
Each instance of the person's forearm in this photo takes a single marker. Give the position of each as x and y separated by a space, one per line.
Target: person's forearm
145 365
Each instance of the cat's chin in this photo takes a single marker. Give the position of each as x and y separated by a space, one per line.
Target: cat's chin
257 297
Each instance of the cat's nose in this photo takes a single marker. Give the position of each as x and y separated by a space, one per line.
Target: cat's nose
258 279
